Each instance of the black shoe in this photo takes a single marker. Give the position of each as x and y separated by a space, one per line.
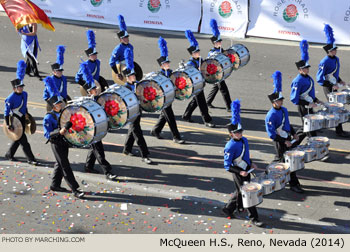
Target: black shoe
33 162
110 176
210 125
13 159
92 170
58 189
296 189
155 134
78 194
187 119
178 141
343 134
126 153
147 160
257 223
210 105
228 213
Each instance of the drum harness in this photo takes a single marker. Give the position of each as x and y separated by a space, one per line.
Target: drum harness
239 160
16 110
280 130
330 77
305 96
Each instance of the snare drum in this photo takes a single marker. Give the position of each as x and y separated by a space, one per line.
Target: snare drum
216 68
344 116
188 81
332 120
280 180
268 186
310 152
347 92
155 92
90 122
337 97
295 159
282 168
313 122
239 55
120 104
251 194
334 108
320 139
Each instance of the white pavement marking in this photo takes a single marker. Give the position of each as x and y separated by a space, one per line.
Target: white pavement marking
181 196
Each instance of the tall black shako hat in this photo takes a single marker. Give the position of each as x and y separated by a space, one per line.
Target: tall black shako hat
277 83
90 35
123 33
235 125
55 96
330 39
304 62
162 44
129 62
20 73
58 66
88 78
194 47
215 31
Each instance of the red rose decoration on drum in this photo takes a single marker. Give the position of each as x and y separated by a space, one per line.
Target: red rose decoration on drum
149 93
232 57
78 122
180 83
211 69
111 107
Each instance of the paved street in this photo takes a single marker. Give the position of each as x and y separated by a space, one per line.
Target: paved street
186 187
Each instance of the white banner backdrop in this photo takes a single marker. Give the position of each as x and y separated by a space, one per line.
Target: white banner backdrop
231 16
157 14
297 19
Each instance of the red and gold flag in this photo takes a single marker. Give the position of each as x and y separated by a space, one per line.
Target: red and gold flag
24 12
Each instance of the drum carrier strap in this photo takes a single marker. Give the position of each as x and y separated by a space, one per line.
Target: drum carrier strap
330 77
16 110
305 96
280 130
239 160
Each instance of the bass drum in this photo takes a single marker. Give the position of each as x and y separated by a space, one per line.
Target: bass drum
155 92
83 92
239 55
188 82
17 133
121 66
120 104
216 68
30 124
90 122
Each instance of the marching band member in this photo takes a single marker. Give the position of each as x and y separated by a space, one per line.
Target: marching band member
216 40
167 114
93 63
57 75
96 150
135 131
29 48
303 87
16 104
118 52
280 130
59 146
328 72
198 99
237 161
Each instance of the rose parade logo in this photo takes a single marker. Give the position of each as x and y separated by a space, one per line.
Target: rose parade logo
290 14
154 5
96 3
225 9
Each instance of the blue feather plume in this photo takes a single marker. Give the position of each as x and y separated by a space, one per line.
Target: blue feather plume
51 87
163 47
304 47
60 52
122 25
21 70
129 58
214 28
236 111
329 34
277 81
87 76
190 37
91 38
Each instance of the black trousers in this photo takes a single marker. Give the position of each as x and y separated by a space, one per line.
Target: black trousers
103 83
135 133
327 90
25 145
303 110
281 148
224 91
198 100
97 151
236 200
167 115
32 67
62 167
